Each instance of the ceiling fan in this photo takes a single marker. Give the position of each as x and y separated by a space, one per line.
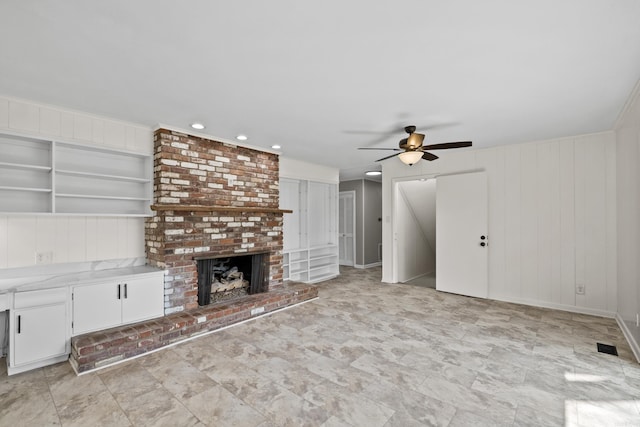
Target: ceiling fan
411 149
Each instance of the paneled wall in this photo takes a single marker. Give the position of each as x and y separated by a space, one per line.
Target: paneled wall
628 151
70 238
552 219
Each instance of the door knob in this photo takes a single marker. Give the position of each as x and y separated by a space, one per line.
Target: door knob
483 244
482 237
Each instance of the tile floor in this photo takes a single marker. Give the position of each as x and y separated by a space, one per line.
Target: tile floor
364 354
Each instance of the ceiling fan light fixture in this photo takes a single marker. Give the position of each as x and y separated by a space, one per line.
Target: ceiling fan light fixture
415 140
410 157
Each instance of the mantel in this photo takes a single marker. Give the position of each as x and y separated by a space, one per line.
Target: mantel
209 208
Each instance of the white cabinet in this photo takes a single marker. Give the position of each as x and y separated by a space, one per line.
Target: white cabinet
38 329
41 176
116 302
310 233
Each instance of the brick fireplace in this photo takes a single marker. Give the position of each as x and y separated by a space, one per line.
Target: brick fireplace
212 199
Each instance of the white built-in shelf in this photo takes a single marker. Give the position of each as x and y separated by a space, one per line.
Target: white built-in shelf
46 176
321 266
310 250
102 176
96 196
5 165
28 189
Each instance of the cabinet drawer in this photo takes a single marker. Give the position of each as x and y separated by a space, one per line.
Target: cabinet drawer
40 297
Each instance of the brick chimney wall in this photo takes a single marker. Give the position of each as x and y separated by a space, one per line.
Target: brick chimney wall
212 175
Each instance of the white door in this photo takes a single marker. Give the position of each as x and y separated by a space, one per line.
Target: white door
142 299
346 227
461 234
96 307
39 333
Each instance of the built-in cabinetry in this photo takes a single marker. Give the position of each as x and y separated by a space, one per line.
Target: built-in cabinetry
41 176
43 320
115 302
38 325
310 233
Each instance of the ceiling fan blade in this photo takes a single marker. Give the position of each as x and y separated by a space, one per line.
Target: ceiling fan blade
429 156
445 145
388 157
367 148
438 126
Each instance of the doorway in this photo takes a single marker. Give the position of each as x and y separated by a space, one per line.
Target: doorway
440 231
416 231
346 228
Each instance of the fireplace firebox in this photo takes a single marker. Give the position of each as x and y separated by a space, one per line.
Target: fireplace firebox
232 275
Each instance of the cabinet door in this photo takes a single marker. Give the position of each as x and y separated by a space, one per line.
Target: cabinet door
39 333
96 307
142 299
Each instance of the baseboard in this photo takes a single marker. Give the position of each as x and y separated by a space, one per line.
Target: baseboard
562 307
361 266
629 336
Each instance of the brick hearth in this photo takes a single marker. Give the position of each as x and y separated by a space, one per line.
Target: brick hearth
104 348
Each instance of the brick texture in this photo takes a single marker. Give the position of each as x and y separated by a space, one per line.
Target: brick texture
99 349
196 171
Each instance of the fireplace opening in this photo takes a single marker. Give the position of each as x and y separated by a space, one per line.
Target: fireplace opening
232 276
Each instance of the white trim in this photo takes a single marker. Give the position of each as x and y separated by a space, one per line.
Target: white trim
362 266
352 194
635 93
629 336
562 307
187 339
195 133
39 104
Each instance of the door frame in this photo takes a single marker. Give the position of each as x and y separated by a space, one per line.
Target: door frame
351 193
395 193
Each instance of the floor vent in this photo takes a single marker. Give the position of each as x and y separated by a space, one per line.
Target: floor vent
606 348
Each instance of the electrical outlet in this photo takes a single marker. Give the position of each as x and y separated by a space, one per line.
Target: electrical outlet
44 257
579 289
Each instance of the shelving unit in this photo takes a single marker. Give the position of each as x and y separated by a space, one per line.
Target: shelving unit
40 176
25 174
310 233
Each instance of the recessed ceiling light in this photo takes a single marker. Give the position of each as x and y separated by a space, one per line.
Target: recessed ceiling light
373 173
198 126
276 147
241 137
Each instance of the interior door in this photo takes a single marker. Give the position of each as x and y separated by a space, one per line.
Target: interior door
461 234
346 228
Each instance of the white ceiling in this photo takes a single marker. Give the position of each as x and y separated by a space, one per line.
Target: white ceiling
306 75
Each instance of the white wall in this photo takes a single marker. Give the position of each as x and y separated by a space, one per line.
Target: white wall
297 169
415 256
421 196
70 238
552 218
628 180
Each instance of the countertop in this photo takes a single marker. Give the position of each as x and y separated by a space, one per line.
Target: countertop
60 277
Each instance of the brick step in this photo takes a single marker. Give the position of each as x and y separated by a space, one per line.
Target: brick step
103 348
